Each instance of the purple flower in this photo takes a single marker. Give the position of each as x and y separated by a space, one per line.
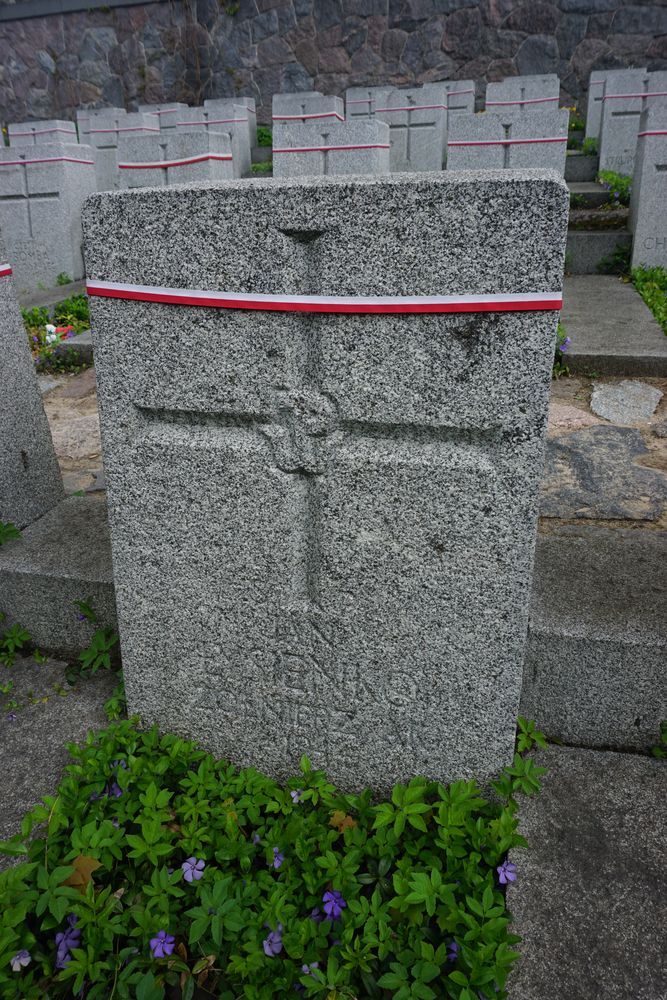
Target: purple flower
66 940
114 822
80 617
36 340
11 717
193 869
20 960
296 794
273 942
334 904
564 346
162 945
115 790
316 915
119 763
308 969
452 951
256 839
278 858
506 872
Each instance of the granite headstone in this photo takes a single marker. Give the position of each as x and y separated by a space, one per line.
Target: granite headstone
352 147
323 522
626 95
227 104
85 116
595 95
417 119
168 114
30 482
523 93
648 204
234 122
307 108
36 133
174 158
360 102
103 134
511 140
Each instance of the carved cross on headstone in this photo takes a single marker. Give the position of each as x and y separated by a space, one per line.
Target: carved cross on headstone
409 125
27 198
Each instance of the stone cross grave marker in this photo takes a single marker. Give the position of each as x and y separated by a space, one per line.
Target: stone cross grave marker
85 116
36 133
595 95
174 158
103 135
307 108
360 102
30 482
168 114
323 500
227 104
625 97
42 189
234 122
648 205
417 119
356 147
523 93
491 141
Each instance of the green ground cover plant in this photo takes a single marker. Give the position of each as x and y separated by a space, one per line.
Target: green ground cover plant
262 168
589 147
651 283
46 334
618 185
264 136
562 344
156 871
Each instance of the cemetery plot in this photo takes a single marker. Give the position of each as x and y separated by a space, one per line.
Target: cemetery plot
175 158
648 207
483 142
234 122
626 95
418 127
357 147
523 93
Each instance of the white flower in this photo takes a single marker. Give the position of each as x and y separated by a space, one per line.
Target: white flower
50 328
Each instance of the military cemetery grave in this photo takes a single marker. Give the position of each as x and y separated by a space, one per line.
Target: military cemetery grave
356 475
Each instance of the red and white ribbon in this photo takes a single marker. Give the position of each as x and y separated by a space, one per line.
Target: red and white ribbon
519 302
216 121
417 107
41 131
163 164
300 118
5 270
333 149
620 97
652 132
527 100
454 93
126 128
164 111
45 159
503 142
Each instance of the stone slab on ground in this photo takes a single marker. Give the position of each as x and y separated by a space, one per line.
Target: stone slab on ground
588 193
612 329
594 672
626 403
579 167
63 557
32 745
597 473
82 345
51 296
590 900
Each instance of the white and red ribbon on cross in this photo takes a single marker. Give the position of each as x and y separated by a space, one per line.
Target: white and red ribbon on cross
163 164
42 131
527 100
504 142
300 118
333 149
46 159
515 302
216 121
415 107
621 97
655 131
123 128
5 270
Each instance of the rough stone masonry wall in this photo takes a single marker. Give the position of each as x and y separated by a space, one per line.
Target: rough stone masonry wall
187 50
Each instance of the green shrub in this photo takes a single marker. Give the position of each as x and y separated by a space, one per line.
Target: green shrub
651 283
618 185
156 869
262 168
264 136
589 147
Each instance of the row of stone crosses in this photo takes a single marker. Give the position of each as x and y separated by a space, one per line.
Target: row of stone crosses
51 166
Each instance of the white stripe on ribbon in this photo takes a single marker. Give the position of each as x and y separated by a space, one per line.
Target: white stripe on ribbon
127 128
504 142
333 149
620 97
161 164
215 121
5 270
417 107
652 132
45 159
300 118
519 302
42 131
531 100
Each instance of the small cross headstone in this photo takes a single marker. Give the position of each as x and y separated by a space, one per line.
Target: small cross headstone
42 189
648 206
85 116
360 102
417 119
174 158
233 120
626 95
168 114
104 133
227 106
356 147
315 109
523 93
323 485
30 483
37 133
492 141
595 95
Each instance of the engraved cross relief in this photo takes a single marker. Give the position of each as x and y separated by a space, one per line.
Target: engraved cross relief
27 198
409 126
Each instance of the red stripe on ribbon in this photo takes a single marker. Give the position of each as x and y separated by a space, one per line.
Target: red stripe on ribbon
5 270
333 149
531 100
42 131
520 302
503 142
417 107
45 159
454 93
162 164
300 118
653 132
620 97
134 128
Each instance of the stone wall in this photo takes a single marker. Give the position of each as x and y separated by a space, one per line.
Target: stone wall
188 50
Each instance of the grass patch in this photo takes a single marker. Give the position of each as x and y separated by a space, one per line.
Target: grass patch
651 283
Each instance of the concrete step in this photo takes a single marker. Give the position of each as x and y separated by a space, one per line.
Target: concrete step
63 557
594 671
81 345
579 167
589 897
593 251
587 194
50 296
612 329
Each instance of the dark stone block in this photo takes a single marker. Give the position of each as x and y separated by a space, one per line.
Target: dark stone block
393 44
588 6
533 18
599 25
570 31
538 54
463 33
327 13
273 51
286 19
640 21
295 77
112 92
355 40
264 25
